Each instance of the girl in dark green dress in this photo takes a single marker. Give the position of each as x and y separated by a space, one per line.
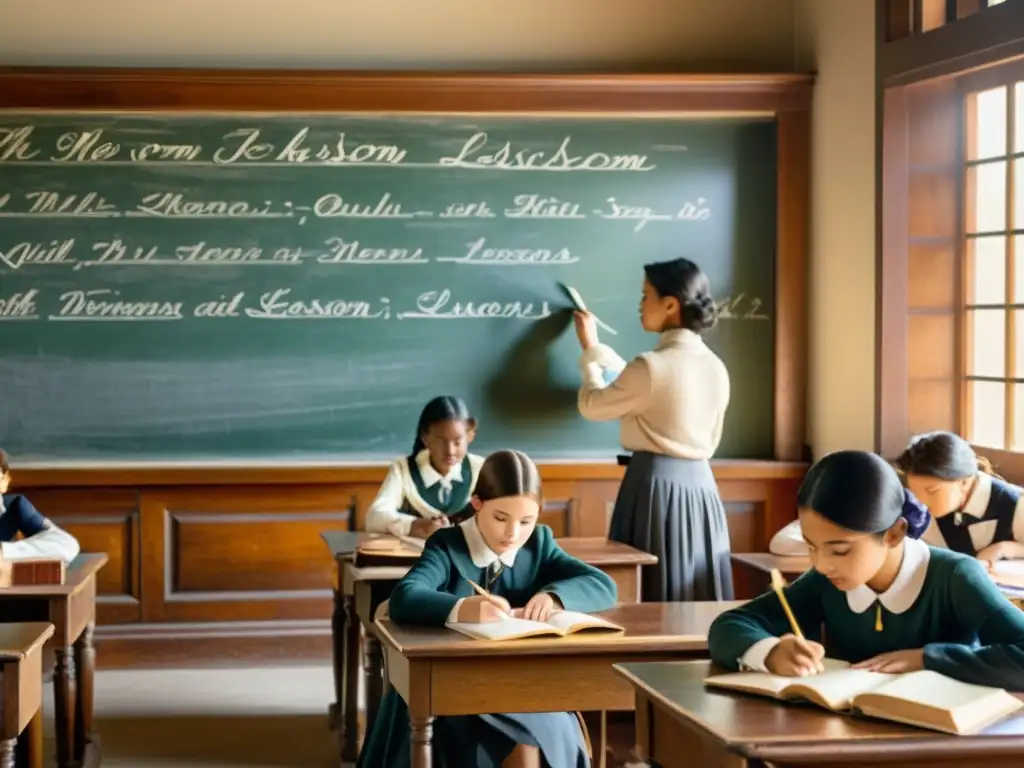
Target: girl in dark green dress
519 563
886 601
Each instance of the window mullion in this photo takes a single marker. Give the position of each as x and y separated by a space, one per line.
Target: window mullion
1009 425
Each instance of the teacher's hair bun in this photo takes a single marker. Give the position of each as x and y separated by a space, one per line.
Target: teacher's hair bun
701 312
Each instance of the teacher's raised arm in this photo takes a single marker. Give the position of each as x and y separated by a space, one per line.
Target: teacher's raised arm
671 405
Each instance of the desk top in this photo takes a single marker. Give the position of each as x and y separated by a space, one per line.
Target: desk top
594 550
763 729
76 577
654 627
342 544
18 639
765 561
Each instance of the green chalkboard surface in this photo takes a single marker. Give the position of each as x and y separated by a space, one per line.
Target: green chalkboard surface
204 287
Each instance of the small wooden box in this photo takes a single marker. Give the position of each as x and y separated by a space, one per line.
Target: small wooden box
32 572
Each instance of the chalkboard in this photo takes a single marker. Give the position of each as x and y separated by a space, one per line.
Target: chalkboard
204 286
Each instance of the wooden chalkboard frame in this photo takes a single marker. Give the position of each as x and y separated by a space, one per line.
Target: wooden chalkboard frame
787 97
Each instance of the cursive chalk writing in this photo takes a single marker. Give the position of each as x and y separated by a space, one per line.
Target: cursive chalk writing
477 253
277 305
352 252
168 153
58 205
478 210
84 147
540 207
15 144
103 305
335 206
179 206
739 307
19 306
506 158
246 145
52 252
438 305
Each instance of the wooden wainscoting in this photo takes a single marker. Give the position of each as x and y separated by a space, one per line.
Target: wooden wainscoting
214 565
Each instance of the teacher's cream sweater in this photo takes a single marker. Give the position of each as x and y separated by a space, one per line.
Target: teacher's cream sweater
671 400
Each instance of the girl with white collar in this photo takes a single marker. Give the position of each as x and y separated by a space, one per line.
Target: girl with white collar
886 601
434 483
975 511
519 564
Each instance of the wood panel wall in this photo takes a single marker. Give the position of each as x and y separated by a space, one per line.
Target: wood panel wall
214 565
223 563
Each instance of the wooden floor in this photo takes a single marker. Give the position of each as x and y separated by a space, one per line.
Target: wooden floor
259 718
223 718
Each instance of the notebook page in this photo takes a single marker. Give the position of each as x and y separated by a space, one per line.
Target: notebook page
499 630
934 690
564 620
766 682
838 687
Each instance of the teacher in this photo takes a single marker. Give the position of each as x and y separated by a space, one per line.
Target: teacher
671 405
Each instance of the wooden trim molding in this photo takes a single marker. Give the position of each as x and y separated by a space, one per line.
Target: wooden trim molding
61 477
338 91
786 96
992 36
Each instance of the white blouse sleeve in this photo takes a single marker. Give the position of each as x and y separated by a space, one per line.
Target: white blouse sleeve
628 393
383 515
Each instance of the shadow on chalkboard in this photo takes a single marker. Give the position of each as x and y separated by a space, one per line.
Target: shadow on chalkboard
524 389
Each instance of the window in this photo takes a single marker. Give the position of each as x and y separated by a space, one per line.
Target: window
993 319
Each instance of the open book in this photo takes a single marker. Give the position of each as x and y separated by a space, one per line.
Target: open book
924 699
559 624
1007 573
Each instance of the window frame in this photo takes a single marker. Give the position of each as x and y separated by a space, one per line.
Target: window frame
970 85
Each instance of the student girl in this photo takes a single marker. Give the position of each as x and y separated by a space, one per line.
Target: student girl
887 601
436 480
520 565
671 404
39 536
975 511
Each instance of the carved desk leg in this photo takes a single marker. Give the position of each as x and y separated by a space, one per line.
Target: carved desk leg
31 742
422 729
7 751
374 677
350 718
85 667
64 705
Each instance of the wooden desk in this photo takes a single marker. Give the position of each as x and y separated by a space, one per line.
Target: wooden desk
362 590
71 608
21 697
681 724
751 571
534 675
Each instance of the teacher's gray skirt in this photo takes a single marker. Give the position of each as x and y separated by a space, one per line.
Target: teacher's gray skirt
671 508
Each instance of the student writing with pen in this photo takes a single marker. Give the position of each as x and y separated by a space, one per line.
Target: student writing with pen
423 490
885 601
515 563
